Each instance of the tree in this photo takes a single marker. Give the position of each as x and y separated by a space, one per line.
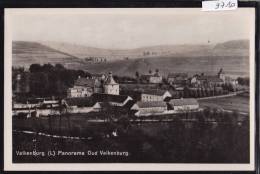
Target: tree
150 71
35 68
59 67
137 75
47 67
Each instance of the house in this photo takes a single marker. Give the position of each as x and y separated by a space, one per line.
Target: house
183 104
154 95
114 100
100 77
231 80
177 78
151 78
96 59
110 86
21 83
81 105
149 108
85 87
206 81
38 107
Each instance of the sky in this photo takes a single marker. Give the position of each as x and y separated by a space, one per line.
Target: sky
129 28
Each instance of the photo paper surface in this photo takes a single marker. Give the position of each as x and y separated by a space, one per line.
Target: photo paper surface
129 89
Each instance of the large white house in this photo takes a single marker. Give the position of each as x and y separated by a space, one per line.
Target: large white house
184 104
154 95
81 105
85 87
114 100
151 78
149 108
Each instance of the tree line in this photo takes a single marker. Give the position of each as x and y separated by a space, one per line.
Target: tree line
46 80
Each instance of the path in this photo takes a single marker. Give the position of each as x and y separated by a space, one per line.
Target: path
222 96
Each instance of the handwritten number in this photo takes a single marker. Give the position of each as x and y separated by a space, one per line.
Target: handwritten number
222 4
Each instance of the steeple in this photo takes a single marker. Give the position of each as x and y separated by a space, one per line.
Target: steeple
110 80
221 75
110 86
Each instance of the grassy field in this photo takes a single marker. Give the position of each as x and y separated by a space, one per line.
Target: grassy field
239 103
146 143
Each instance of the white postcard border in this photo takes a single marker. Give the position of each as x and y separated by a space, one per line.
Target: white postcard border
10 166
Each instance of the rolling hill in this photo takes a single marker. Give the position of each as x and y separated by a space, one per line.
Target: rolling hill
230 48
231 55
237 66
26 53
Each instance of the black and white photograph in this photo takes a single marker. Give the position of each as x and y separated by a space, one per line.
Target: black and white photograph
129 89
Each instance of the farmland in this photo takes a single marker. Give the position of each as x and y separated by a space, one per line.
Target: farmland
239 103
150 143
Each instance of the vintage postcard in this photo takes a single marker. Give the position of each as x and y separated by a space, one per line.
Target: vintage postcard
129 89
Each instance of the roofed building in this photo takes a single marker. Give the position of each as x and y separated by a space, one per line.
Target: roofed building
154 95
85 87
206 81
100 77
81 105
115 100
177 78
184 104
110 86
149 108
151 78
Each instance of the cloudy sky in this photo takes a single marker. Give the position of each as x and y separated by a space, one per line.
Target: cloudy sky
129 28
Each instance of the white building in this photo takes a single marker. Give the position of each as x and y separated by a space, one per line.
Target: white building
184 104
110 86
149 108
154 95
114 100
85 87
81 105
151 78
100 77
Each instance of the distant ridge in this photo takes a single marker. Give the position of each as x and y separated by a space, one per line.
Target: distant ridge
233 56
234 44
26 53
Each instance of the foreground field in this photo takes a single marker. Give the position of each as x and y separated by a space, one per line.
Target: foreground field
175 142
238 103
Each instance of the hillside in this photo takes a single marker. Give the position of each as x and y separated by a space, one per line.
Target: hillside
166 65
143 52
230 48
232 56
27 53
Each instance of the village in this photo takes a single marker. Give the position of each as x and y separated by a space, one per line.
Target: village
149 95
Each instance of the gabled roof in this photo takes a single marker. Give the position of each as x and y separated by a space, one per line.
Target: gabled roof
97 75
86 82
80 101
151 104
145 76
174 75
156 75
101 97
210 78
154 92
110 80
184 101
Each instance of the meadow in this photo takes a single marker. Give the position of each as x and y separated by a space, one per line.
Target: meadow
239 103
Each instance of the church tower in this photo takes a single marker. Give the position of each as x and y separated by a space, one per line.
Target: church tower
110 86
221 74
